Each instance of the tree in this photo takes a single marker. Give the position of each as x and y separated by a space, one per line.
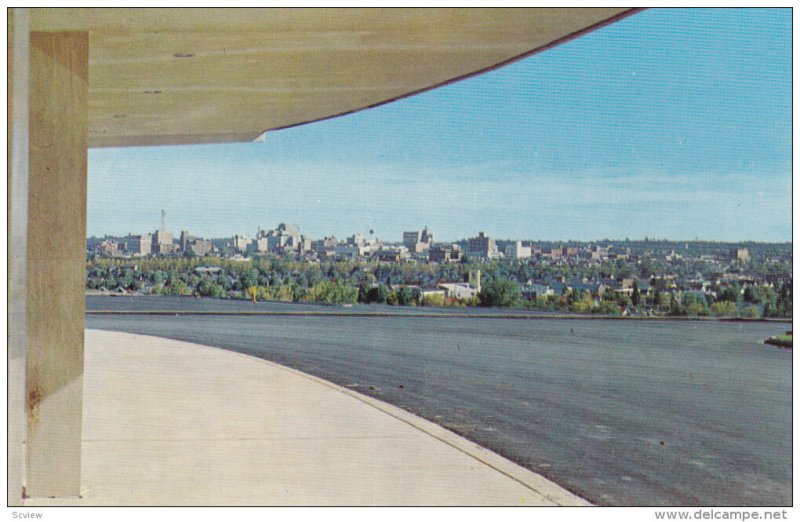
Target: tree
731 293
572 297
608 308
250 278
500 293
675 307
434 300
636 297
330 292
363 293
207 287
725 309
656 298
377 294
660 284
695 303
751 312
177 288
283 293
784 301
406 296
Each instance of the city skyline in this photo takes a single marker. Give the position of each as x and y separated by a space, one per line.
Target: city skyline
669 124
372 234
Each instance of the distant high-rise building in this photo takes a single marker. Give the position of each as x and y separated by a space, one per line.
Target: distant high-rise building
281 240
481 247
349 250
445 254
305 245
324 246
200 247
410 240
598 252
740 254
108 247
516 250
240 243
139 244
186 240
162 242
260 245
289 230
355 239
417 242
426 237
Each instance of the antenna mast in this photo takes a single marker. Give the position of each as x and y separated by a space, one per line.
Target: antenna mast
163 220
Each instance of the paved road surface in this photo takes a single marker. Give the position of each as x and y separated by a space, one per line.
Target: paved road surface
620 412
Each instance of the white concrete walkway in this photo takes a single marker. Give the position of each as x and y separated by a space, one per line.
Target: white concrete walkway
174 423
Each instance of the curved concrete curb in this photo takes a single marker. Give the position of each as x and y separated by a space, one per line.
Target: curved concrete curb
180 424
524 476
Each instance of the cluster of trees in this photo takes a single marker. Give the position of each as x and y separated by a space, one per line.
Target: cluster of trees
381 294
733 301
353 281
500 292
273 279
582 301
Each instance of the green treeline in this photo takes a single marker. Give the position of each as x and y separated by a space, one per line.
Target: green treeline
360 281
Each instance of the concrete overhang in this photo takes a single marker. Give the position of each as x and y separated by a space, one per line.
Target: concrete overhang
183 76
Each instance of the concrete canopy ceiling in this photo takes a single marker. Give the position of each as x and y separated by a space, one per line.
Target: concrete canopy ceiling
181 76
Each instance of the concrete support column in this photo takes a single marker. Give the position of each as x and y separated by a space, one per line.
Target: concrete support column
17 246
55 261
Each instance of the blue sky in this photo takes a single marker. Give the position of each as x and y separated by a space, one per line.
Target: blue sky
671 123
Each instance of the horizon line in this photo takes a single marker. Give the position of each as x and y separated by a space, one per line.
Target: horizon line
645 239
